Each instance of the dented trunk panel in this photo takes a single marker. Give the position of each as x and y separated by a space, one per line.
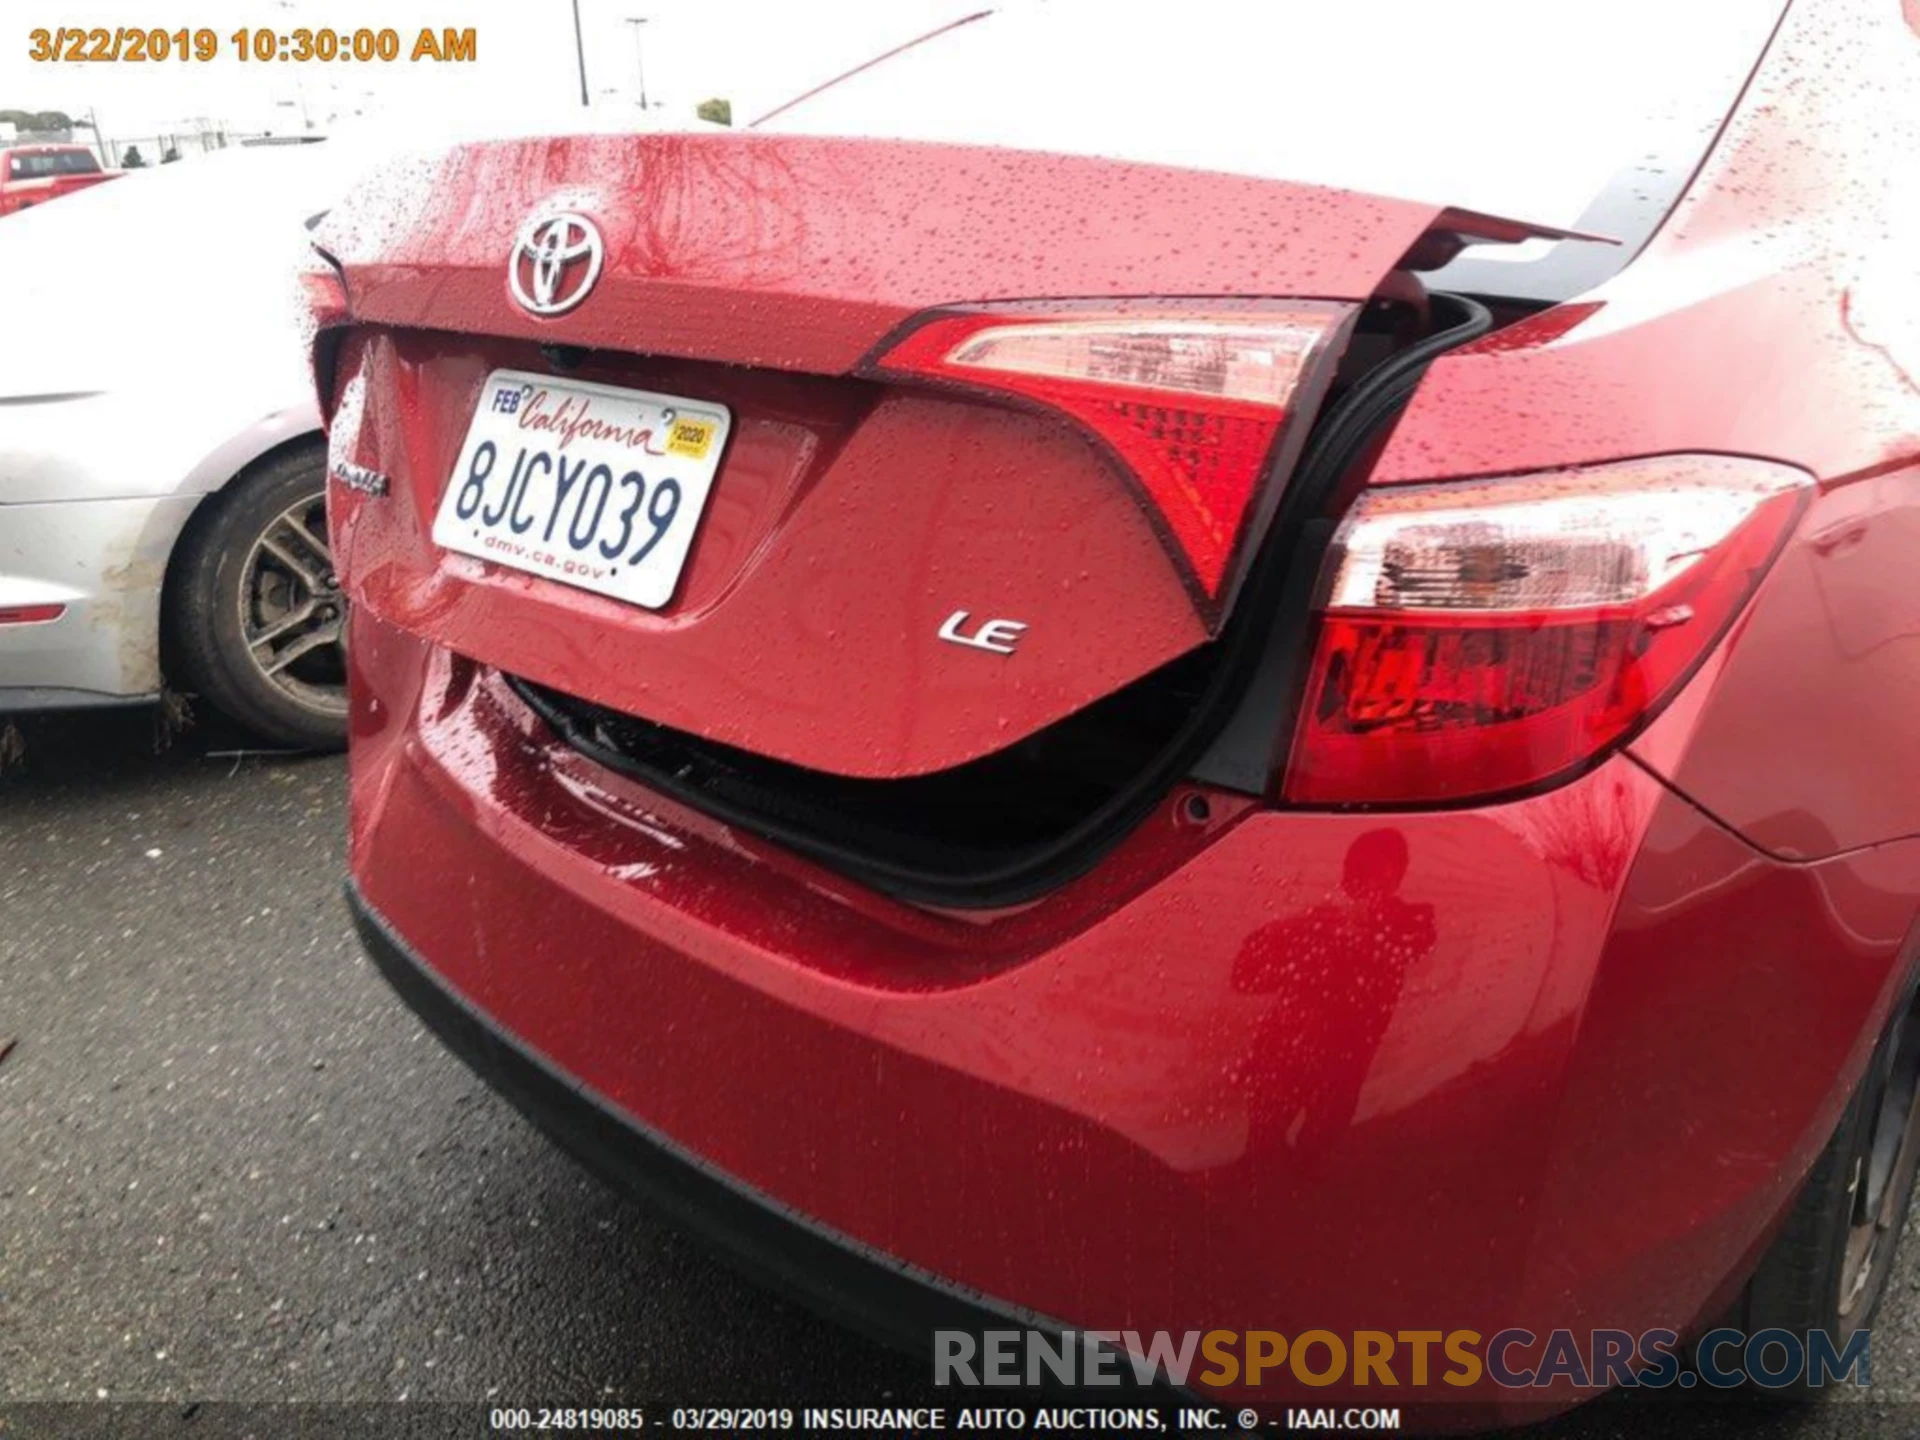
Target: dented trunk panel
802 254
850 522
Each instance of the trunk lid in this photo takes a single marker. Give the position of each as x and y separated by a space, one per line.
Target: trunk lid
853 514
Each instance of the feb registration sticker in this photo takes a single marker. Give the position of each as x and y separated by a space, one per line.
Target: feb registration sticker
591 485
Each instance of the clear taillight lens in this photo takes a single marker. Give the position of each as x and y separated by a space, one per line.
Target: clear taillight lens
1217 359
1191 403
1490 637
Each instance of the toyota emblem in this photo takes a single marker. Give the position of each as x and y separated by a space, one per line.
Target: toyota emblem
556 260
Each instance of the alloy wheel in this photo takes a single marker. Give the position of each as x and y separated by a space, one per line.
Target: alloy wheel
292 611
1882 1175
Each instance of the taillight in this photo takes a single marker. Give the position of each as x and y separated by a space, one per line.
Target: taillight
30 614
1493 636
1190 402
323 293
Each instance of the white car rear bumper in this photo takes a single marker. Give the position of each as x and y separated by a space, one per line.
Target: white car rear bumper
104 562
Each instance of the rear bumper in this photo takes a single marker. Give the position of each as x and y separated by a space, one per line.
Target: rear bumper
105 563
1558 1063
834 1274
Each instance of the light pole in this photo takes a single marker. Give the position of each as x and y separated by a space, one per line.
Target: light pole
638 64
580 52
107 157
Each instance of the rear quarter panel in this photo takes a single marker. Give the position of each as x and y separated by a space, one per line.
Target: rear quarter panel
1774 316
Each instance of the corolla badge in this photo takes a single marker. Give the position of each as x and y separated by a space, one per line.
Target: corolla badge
360 477
555 263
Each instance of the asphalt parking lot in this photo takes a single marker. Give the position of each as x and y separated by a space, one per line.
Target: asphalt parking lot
233 1168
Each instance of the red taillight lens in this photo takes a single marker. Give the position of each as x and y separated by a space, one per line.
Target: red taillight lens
30 614
1489 637
1190 402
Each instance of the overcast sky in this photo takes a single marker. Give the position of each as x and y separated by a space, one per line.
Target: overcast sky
755 52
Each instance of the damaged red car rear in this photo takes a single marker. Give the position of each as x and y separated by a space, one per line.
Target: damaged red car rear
1035 707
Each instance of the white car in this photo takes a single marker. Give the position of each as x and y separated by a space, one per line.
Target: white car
162 469
162 466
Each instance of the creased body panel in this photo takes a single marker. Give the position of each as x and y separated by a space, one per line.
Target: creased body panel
1431 1047
802 254
859 531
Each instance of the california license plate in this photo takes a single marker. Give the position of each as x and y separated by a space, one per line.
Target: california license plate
590 485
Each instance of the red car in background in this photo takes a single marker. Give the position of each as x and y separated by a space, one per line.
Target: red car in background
1035 699
34 174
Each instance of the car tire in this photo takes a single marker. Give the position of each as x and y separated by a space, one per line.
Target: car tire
257 620
1829 1266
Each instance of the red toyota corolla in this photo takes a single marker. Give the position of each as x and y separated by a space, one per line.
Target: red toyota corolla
1255 675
